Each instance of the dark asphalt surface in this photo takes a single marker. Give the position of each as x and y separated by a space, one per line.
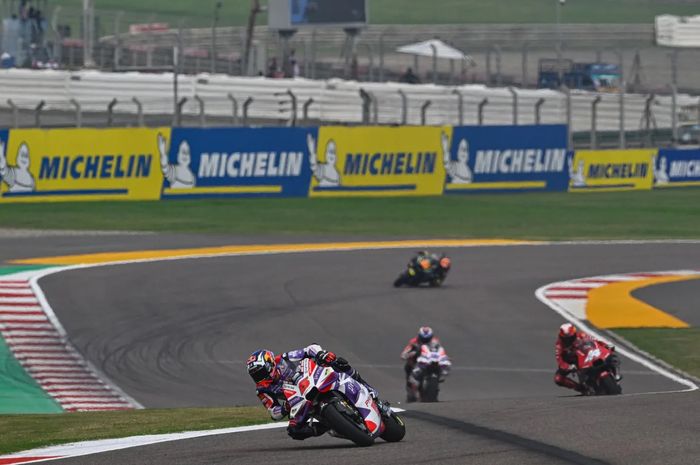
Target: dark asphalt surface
177 333
678 299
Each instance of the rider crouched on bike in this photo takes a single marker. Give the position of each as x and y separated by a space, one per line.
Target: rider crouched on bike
270 372
410 354
429 262
568 341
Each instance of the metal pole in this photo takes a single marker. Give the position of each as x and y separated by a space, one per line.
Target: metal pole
460 107
110 111
177 59
139 111
434 48
15 113
307 104
381 56
674 114
499 73
366 105
424 112
217 8
674 67
514 94
648 119
482 104
293 117
594 122
538 110
313 54
78 113
559 4
622 90
404 107
202 115
246 105
234 103
523 80
178 111
117 40
569 131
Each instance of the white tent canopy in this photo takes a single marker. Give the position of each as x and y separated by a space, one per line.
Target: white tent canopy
434 48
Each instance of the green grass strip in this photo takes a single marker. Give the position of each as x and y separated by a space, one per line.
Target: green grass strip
623 215
23 432
677 347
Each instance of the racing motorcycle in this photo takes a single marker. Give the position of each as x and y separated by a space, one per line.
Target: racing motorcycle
431 271
432 366
598 368
340 404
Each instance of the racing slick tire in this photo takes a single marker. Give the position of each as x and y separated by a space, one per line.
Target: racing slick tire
394 428
341 420
609 386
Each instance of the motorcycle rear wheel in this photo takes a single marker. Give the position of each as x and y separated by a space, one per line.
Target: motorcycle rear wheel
609 386
342 424
394 428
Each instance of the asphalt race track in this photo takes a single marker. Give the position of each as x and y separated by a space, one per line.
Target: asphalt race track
176 333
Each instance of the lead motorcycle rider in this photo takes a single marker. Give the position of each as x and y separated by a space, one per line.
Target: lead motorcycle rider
270 372
565 352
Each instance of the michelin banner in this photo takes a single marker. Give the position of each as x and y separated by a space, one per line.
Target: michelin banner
677 168
38 165
236 162
611 170
505 158
377 161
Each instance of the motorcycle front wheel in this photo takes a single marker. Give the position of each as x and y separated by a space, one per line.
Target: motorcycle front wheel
430 389
609 386
343 423
394 428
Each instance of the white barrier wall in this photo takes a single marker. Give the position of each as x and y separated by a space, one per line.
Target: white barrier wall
334 100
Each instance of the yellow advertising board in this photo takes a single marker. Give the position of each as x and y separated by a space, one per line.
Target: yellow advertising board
41 165
611 170
377 161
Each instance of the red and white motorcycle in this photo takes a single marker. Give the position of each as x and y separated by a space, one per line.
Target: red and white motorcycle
341 404
598 368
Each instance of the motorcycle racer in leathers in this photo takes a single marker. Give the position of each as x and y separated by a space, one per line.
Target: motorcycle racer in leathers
410 355
270 372
565 353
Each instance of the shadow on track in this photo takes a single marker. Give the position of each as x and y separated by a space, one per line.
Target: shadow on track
507 438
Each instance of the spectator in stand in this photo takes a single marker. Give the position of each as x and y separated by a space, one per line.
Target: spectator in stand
409 77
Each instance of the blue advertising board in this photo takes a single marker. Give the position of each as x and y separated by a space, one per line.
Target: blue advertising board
236 162
505 158
677 168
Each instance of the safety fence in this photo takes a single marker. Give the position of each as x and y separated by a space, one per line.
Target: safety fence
27 96
39 165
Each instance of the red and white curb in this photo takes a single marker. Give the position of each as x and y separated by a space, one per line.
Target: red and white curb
569 298
39 343
572 295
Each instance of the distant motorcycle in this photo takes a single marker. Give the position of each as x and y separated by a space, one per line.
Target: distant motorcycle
432 367
430 270
598 368
341 404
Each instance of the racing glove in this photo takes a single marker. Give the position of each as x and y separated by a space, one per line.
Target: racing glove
325 357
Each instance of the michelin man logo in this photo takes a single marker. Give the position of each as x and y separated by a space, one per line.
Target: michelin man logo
179 175
577 176
325 173
457 170
18 178
661 171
